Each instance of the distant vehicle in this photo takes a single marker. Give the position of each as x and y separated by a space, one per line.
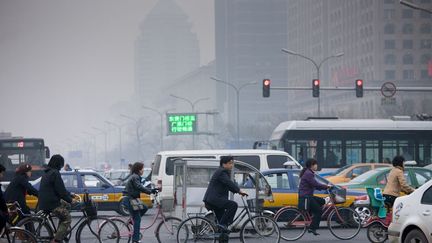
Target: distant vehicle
119 177
415 177
107 196
15 151
411 220
284 184
353 171
163 166
337 142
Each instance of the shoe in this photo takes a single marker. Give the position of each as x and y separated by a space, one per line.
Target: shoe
223 229
313 231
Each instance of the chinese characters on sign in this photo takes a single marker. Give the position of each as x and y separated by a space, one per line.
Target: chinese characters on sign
181 123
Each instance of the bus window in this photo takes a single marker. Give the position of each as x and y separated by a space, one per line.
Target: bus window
406 150
425 149
353 152
389 149
332 153
371 151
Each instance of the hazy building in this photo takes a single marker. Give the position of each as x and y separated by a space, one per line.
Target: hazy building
382 41
165 50
249 36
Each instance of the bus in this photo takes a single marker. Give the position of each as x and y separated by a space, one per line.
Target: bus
15 151
339 142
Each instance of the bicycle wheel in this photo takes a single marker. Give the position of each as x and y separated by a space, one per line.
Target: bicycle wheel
196 229
260 228
292 223
40 229
376 233
342 223
18 235
91 230
125 229
167 229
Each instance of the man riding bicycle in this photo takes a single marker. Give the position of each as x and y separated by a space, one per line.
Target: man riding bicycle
216 196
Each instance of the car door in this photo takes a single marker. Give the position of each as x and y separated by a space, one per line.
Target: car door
99 190
284 191
70 181
425 211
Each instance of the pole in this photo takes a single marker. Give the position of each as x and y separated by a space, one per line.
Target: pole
105 143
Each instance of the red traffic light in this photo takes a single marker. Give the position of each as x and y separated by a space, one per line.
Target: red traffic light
359 82
266 88
359 88
316 82
266 82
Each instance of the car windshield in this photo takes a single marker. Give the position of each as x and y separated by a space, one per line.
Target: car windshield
119 174
341 169
363 177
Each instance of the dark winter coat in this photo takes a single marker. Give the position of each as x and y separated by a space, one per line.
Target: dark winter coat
17 190
219 186
134 187
308 184
51 190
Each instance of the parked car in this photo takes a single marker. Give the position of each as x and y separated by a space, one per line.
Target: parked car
284 184
107 196
415 177
411 220
354 170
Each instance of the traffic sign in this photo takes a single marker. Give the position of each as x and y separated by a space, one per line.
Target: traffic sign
181 123
388 89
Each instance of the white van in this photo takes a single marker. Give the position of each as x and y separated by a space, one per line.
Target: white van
163 165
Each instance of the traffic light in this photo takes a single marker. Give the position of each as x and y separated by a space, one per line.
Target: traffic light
315 87
266 88
359 88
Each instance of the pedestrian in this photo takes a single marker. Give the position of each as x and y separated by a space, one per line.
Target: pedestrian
20 186
54 197
133 202
396 182
3 207
216 196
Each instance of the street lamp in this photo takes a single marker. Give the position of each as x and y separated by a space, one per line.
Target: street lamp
120 139
137 132
161 123
105 143
237 89
192 104
317 66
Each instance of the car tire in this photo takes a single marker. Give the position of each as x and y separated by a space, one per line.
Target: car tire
416 236
122 209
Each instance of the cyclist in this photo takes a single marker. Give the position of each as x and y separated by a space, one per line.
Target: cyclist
54 197
133 191
216 196
307 200
20 186
3 207
396 182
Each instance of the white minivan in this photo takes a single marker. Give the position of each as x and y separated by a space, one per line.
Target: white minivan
163 165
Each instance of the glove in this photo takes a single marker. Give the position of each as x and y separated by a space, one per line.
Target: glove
154 191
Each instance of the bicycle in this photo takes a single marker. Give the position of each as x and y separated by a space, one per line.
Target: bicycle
344 223
45 227
17 235
165 231
203 228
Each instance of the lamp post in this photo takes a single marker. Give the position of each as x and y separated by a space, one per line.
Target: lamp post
317 66
161 123
120 139
237 90
105 142
192 104
137 132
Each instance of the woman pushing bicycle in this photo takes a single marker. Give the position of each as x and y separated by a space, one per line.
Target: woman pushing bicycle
307 200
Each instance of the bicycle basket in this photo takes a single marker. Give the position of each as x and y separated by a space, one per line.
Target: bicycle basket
89 207
255 205
338 194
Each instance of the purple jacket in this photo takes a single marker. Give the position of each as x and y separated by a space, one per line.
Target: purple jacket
308 184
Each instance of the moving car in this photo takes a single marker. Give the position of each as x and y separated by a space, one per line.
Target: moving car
352 171
411 220
415 177
107 196
284 184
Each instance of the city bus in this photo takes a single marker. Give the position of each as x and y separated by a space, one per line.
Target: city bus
15 151
338 142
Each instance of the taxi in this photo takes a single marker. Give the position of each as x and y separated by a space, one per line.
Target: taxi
352 171
107 196
285 183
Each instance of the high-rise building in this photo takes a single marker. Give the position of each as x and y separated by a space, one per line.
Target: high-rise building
382 41
249 37
165 50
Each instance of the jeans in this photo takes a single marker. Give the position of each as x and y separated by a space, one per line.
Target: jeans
136 217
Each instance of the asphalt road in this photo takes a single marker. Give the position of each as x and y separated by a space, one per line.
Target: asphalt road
149 237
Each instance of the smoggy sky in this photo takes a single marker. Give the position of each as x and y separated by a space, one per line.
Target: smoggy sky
64 63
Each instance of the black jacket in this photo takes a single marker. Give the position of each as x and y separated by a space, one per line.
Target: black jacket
51 190
3 206
220 184
18 188
134 186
